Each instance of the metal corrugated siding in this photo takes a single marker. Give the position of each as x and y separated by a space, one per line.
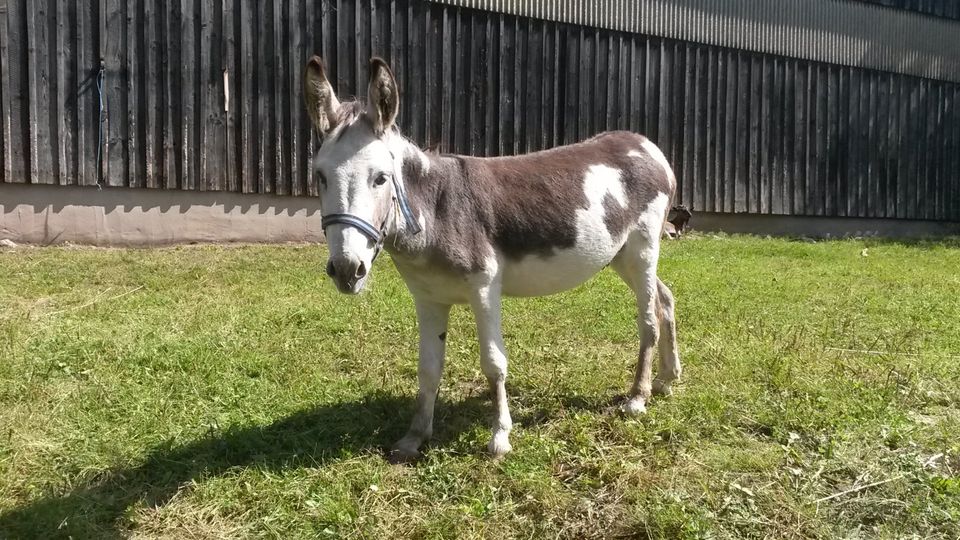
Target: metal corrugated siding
938 8
856 34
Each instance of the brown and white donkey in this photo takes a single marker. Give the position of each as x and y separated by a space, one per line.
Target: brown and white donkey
467 230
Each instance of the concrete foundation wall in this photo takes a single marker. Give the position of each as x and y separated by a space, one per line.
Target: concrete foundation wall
36 214
821 227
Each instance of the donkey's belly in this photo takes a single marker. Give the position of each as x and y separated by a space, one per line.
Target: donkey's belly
538 276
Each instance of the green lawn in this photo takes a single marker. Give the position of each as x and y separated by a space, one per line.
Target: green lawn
212 392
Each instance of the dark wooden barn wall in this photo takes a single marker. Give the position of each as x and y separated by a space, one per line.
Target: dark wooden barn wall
206 96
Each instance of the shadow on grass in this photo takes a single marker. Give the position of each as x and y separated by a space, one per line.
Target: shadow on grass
308 438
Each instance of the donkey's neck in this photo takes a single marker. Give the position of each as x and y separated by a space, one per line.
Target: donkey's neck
424 177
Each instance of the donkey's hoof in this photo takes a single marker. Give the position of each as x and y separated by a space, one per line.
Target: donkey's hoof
634 407
403 452
500 445
662 388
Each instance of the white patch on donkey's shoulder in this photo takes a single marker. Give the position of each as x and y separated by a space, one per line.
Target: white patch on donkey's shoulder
654 151
600 181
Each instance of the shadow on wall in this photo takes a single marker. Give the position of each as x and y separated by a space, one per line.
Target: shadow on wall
56 198
42 214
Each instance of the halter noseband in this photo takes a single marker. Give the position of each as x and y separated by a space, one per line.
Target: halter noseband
368 229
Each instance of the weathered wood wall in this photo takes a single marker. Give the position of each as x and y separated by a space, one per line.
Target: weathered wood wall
205 95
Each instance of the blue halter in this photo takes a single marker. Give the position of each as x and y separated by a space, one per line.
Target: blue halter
367 229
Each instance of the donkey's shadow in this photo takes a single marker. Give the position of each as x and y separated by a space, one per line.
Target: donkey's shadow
312 437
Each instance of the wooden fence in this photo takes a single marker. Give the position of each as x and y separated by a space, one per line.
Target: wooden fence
205 95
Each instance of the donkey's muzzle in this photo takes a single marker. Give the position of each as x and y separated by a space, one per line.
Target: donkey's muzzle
347 272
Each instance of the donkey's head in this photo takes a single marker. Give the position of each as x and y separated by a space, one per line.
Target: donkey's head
361 193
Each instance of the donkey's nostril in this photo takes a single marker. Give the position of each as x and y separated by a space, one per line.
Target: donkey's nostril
331 271
361 270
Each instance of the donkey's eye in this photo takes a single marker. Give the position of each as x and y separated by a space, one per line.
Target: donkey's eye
381 180
323 179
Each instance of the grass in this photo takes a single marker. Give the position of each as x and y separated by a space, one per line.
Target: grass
216 392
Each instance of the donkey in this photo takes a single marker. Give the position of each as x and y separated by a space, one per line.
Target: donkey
467 230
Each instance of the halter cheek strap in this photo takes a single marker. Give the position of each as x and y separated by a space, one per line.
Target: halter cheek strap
367 229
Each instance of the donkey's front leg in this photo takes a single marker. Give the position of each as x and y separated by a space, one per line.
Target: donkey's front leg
432 320
493 361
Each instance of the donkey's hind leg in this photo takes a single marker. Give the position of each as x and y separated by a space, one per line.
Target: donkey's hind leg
637 265
669 369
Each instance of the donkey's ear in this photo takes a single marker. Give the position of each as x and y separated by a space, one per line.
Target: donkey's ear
383 100
322 104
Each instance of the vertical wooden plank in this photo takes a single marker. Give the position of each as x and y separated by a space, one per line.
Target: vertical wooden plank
766 100
939 138
927 186
706 172
637 86
822 159
720 133
450 87
905 142
491 127
588 72
88 96
115 147
555 89
17 161
505 88
192 95
135 112
730 133
570 118
863 151
776 138
461 36
612 83
534 65
688 120
791 156
520 78
756 101
361 35
4 98
174 120
652 86
894 148
212 134
873 182
433 97
623 69
843 136
346 66
66 96
477 59
416 35
802 154
833 119
546 117
44 108
266 75
801 180
154 87
741 194
297 135
882 113
248 82
280 106
953 177
230 42
677 92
